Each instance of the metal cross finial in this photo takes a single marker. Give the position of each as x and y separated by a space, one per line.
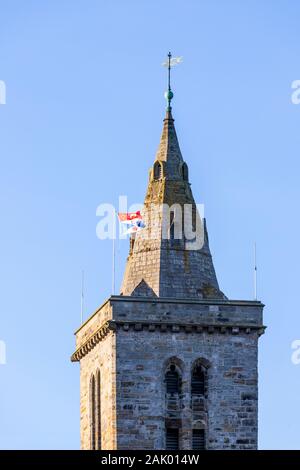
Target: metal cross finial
171 62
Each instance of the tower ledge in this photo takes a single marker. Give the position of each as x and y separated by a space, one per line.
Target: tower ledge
168 315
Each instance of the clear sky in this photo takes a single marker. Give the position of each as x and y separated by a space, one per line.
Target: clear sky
81 124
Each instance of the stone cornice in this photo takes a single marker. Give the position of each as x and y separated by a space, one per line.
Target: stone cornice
177 300
172 300
94 339
163 326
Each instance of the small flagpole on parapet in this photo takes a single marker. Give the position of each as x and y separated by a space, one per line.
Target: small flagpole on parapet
113 254
255 273
82 296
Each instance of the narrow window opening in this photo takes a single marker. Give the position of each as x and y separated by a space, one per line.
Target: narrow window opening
198 381
132 240
198 439
185 174
172 380
172 225
157 171
172 439
93 414
98 411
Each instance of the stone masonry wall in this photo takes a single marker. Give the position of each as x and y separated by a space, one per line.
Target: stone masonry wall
131 340
142 357
101 356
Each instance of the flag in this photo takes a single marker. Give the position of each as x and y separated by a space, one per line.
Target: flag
127 217
133 220
135 226
173 61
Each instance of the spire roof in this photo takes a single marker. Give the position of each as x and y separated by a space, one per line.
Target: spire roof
158 265
168 149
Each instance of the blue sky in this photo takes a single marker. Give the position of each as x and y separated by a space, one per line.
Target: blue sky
81 125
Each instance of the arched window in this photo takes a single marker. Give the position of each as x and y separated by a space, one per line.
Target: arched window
95 411
199 393
185 172
92 413
173 405
157 171
198 380
98 410
172 380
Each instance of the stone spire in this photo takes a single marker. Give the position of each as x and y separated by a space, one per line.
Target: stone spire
169 150
160 261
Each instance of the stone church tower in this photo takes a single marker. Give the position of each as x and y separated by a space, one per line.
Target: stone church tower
170 363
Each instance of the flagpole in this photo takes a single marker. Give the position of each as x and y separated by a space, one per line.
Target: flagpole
113 254
255 273
82 296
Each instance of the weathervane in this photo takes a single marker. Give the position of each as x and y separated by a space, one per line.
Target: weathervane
171 62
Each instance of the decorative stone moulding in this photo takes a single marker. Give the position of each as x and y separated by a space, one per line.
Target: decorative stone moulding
163 327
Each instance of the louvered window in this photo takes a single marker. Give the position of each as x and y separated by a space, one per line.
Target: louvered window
198 381
198 439
172 380
172 439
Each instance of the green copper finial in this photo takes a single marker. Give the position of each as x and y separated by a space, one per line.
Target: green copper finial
169 95
170 63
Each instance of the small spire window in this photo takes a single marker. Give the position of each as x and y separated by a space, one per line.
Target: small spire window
172 225
157 171
185 172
